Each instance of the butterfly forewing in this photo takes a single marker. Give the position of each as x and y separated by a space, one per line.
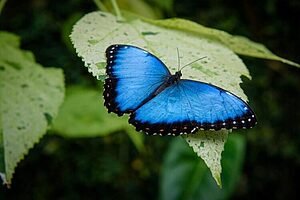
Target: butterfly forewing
133 75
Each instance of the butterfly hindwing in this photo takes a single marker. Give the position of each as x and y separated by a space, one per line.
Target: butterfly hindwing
133 75
187 106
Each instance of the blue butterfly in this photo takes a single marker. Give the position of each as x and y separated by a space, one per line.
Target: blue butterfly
158 102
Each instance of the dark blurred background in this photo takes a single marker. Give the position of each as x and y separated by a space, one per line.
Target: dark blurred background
64 168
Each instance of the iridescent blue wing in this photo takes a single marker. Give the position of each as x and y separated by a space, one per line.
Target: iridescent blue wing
133 75
187 106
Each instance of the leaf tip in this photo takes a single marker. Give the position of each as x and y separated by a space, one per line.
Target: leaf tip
218 179
4 180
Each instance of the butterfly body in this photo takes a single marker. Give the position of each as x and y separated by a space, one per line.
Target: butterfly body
158 102
172 79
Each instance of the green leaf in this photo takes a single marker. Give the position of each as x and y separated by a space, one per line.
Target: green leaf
209 146
166 4
222 67
30 96
238 44
140 7
96 31
9 39
137 139
83 115
185 176
67 29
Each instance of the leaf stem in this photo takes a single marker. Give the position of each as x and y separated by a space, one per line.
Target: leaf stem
2 3
100 5
117 10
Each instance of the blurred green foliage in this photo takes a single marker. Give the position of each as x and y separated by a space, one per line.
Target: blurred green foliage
111 167
94 121
185 176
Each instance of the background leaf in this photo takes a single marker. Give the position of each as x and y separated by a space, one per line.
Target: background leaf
185 176
97 30
139 6
83 115
30 97
238 44
166 4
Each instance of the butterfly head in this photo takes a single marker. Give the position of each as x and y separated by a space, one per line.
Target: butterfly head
175 78
178 74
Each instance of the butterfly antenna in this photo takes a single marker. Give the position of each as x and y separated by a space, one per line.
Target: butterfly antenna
192 62
178 59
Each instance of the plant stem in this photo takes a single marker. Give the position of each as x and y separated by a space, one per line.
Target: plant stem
100 5
2 3
117 10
